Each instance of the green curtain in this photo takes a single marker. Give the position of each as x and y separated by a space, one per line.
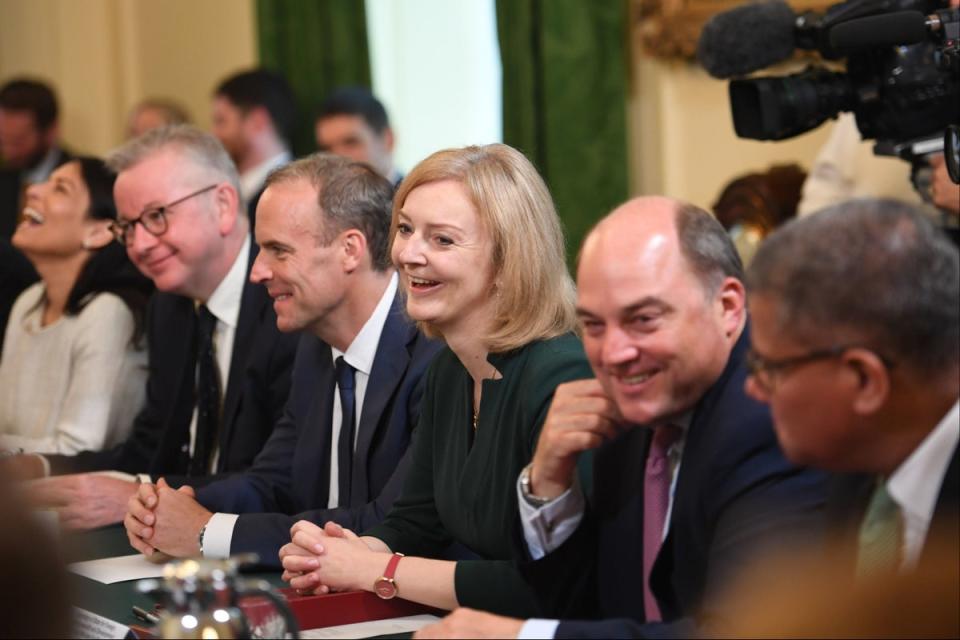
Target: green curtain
564 101
318 45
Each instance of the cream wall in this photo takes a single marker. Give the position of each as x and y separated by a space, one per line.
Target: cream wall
682 139
105 55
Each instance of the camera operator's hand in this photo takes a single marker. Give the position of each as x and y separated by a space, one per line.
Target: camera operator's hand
944 192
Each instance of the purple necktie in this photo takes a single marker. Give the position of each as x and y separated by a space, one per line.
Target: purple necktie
656 497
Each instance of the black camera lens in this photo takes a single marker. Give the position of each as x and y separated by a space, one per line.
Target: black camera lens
951 151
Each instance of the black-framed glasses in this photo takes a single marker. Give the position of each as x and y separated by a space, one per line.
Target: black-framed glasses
153 220
765 370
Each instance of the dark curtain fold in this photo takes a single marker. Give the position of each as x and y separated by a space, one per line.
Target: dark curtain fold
318 45
564 100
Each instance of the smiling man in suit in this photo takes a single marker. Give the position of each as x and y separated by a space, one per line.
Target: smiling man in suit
339 453
688 483
181 221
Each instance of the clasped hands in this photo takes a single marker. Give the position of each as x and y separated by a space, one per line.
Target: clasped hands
161 518
331 558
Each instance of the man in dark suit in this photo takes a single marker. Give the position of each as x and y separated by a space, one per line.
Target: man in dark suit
857 352
254 114
29 143
324 226
647 546
181 220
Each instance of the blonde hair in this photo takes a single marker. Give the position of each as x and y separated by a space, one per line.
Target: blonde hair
534 291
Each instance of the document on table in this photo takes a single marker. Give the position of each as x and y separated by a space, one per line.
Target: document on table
406 624
119 569
88 625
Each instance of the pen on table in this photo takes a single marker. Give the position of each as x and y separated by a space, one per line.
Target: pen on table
145 615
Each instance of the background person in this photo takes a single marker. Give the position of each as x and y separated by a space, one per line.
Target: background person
153 113
481 258
254 114
73 373
352 123
29 143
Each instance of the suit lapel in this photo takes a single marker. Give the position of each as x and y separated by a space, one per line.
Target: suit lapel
252 301
389 365
179 352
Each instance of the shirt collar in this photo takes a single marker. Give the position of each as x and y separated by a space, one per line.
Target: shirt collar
224 303
251 180
362 351
915 484
43 170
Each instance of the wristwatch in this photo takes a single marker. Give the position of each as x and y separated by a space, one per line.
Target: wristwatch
532 500
385 586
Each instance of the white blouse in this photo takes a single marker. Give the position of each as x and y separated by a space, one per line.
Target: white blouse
74 385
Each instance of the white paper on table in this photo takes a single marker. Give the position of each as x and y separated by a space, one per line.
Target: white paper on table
405 624
119 569
88 625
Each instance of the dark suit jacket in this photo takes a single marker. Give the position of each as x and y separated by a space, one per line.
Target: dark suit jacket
736 496
257 388
291 475
252 208
16 274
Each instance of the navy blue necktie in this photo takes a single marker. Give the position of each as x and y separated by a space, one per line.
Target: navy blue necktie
345 382
207 393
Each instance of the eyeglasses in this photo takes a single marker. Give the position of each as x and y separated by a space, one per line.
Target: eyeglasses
153 220
765 370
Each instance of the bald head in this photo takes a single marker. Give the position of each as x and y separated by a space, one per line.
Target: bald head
654 226
659 308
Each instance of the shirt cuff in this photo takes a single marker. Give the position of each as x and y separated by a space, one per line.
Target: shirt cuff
538 628
117 475
46 465
547 527
219 535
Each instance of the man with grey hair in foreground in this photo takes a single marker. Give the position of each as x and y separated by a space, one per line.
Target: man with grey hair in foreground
340 452
856 342
219 368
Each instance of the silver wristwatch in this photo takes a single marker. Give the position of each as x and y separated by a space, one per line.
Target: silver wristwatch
532 500
203 531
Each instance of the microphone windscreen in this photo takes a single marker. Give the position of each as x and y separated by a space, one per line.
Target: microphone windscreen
747 38
885 29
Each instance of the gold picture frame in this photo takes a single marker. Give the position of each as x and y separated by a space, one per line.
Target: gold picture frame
669 29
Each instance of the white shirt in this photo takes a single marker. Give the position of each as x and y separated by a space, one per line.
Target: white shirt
547 527
43 170
73 385
251 180
916 483
360 355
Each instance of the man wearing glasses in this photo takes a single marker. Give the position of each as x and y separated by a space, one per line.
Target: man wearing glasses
688 484
857 351
219 368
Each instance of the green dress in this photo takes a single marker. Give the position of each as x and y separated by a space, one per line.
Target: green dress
461 486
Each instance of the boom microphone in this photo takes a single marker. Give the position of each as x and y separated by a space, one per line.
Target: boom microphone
747 38
887 29
892 29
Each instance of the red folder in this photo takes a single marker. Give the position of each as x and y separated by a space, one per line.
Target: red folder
334 609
